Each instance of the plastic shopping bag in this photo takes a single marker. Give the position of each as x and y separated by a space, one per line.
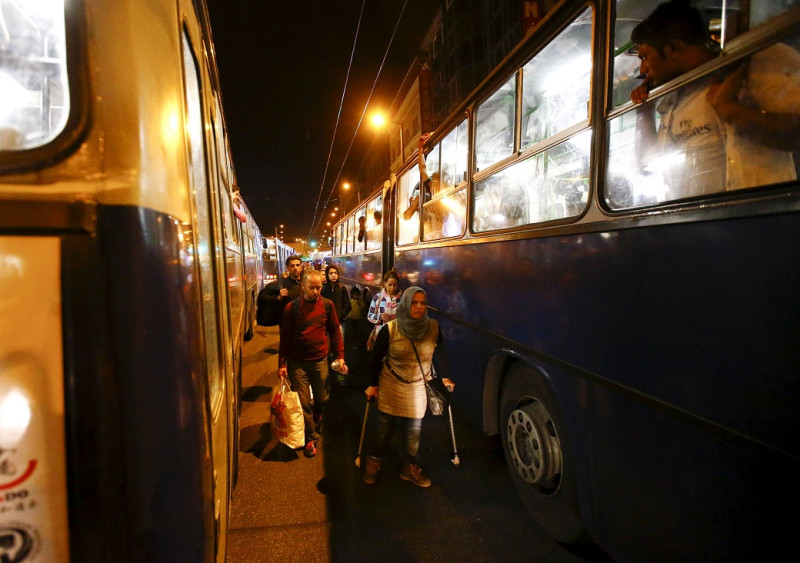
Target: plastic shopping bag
287 423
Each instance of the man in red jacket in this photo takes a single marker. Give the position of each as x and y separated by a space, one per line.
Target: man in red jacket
309 329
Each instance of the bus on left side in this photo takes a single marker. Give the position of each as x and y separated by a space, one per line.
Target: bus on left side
123 308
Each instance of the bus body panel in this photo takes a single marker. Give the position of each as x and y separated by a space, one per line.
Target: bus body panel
152 320
33 500
590 299
158 383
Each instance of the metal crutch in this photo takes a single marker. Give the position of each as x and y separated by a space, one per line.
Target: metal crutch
454 459
363 429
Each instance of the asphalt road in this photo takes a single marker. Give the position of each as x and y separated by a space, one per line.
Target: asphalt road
290 508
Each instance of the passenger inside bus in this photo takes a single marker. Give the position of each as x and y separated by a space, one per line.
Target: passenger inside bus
362 228
729 130
430 183
498 205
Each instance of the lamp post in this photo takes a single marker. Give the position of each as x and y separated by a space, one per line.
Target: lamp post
347 185
381 123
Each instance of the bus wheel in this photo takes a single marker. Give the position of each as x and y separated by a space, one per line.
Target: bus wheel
536 452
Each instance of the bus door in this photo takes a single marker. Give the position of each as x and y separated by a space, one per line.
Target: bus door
211 301
389 221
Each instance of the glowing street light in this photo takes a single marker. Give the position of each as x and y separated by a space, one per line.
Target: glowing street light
347 185
378 119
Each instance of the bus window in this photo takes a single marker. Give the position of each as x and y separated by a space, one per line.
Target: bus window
34 91
204 241
454 157
350 233
551 185
432 164
444 216
494 136
629 14
407 229
360 229
555 83
678 145
375 223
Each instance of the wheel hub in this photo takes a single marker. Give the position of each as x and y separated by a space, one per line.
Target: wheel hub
534 446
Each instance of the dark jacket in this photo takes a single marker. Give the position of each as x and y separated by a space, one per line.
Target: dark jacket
338 293
294 286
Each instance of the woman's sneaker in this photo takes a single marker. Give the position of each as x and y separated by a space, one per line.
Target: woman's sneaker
311 449
414 473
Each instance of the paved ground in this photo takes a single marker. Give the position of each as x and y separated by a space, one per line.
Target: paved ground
289 508
277 512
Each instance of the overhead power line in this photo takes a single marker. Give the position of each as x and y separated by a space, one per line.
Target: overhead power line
317 221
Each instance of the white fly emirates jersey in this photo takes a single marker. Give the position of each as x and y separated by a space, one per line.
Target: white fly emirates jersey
704 155
692 141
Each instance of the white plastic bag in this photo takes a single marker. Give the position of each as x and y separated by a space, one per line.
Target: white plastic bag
287 416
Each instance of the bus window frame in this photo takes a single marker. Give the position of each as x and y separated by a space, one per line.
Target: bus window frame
359 245
521 155
404 188
447 191
744 44
76 126
374 235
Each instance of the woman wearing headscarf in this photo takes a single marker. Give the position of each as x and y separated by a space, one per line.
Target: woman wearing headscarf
397 383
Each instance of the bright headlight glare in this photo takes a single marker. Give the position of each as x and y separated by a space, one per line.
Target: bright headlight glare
15 415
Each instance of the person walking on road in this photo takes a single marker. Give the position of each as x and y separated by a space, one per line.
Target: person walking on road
337 293
283 291
357 320
309 330
403 355
383 307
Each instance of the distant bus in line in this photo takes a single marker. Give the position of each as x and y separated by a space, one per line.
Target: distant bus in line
275 254
626 322
253 266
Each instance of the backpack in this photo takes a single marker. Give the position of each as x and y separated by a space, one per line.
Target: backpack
268 311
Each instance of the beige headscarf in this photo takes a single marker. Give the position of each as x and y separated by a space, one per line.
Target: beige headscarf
413 329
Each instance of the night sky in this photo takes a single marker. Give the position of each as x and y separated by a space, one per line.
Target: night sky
283 67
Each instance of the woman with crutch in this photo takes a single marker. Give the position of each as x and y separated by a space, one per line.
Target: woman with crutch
402 357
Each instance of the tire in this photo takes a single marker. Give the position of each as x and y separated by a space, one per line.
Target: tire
537 454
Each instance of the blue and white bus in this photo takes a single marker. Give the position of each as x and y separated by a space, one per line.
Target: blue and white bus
634 344
122 270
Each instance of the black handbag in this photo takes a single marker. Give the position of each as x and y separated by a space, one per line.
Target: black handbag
438 394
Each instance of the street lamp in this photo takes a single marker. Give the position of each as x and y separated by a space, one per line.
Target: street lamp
381 122
347 185
378 119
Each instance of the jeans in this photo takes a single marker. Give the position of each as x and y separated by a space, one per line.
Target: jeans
410 430
307 377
